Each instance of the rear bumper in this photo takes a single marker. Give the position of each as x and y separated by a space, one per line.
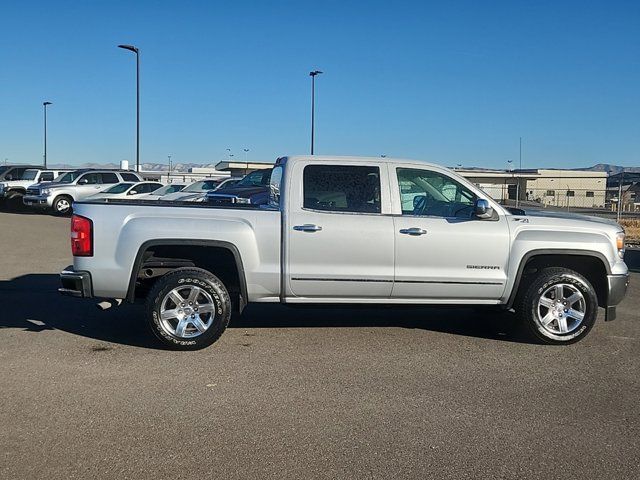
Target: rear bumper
75 284
616 290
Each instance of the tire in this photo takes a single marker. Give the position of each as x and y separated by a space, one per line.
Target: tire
62 205
13 202
183 326
558 306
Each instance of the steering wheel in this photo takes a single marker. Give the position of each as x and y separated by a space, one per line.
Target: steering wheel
419 204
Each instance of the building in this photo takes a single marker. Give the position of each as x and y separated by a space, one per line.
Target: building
240 169
542 187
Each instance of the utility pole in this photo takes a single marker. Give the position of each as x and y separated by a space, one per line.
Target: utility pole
45 104
620 196
313 75
520 153
135 50
169 174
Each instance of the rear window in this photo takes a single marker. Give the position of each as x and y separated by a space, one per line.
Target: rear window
342 188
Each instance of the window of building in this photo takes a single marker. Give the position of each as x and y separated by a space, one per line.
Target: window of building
571 193
550 193
589 194
342 188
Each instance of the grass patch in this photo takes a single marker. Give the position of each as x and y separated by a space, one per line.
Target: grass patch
632 229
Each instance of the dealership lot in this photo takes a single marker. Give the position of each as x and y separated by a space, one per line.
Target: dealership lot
302 393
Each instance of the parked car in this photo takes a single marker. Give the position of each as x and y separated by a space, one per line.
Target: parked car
252 189
125 190
162 191
201 186
14 172
12 190
341 230
74 186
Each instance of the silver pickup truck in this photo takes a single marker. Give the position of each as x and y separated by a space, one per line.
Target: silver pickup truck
344 230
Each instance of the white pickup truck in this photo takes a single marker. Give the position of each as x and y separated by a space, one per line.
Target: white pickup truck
346 230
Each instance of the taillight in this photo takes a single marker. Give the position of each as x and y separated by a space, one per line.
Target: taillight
81 236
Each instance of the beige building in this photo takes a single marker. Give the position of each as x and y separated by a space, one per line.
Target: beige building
554 188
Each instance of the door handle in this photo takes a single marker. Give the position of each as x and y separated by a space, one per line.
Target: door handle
415 231
307 228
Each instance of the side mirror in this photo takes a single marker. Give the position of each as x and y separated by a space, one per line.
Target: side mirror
482 208
133 192
9 177
83 181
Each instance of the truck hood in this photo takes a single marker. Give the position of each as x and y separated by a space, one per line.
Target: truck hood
587 220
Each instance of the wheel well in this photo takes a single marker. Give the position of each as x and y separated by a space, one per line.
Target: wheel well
19 190
223 261
592 268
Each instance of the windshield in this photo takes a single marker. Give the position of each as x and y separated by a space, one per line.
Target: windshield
3 169
259 178
68 177
201 186
29 174
119 188
168 189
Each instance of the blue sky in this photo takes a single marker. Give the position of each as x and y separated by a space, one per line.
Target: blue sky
451 82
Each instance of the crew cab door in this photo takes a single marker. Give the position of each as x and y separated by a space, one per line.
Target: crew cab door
339 234
442 251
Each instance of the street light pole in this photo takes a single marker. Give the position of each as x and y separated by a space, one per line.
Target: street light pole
44 104
135 50
313 103
246 155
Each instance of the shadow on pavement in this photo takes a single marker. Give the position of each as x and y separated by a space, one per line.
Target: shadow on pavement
32 303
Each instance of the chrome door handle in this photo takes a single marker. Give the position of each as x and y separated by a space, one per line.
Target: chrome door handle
413 231
307 228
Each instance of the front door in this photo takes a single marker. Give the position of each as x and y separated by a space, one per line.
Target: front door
339 240
443 252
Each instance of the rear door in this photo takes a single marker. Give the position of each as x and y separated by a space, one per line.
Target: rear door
339 231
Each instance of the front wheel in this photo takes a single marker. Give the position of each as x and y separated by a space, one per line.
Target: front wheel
188 309
559 306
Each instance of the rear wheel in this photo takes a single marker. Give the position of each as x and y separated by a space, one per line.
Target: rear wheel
559 306
188 309
62 205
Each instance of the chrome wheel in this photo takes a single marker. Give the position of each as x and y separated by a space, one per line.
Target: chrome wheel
187 311
561 309
63 205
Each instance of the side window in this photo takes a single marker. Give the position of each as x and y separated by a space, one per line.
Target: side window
129 177
342 188
46 176
89 179
274 186
17 173
109 178
424 192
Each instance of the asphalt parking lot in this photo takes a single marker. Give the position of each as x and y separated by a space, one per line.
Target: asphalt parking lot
302 393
